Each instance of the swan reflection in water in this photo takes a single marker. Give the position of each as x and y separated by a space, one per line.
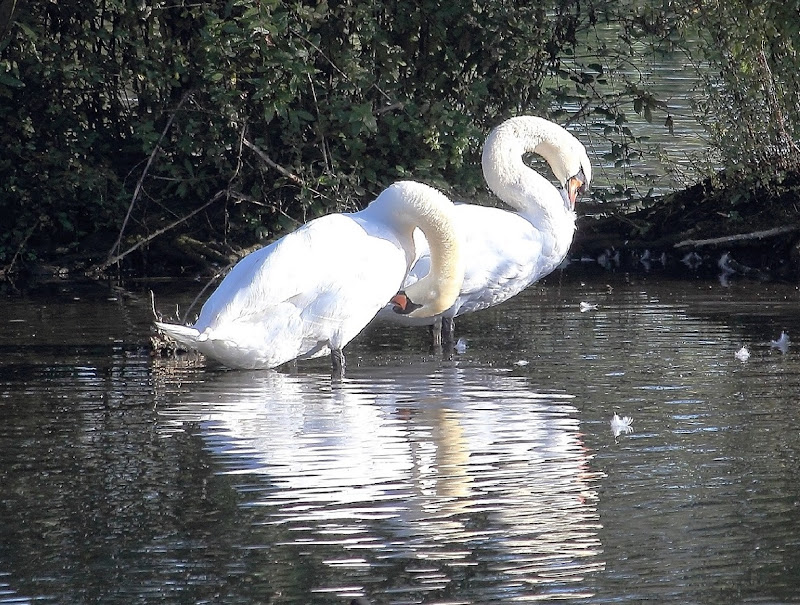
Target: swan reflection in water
460 467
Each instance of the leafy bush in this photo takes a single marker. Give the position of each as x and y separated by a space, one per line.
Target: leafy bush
218 124
137 114
751 105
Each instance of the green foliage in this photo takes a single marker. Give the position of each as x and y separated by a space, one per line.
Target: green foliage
751 105
340 98
130 115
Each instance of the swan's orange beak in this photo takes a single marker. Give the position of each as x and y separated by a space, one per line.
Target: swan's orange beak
574 189
403 304
400 300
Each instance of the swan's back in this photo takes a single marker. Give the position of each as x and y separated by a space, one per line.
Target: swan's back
318 285
497 267
277 273
500 268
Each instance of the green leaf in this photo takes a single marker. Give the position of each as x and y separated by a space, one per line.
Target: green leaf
7 79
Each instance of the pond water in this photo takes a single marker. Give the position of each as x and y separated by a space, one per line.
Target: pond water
487 475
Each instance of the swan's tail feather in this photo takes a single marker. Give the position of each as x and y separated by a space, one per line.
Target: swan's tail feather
185 335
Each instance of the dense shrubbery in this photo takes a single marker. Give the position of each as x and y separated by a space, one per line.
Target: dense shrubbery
233 120
751 105
290 109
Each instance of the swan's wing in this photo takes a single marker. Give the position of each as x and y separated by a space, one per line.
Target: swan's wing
504 256
274 274
320 284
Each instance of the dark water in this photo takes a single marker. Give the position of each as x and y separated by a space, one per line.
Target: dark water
491 475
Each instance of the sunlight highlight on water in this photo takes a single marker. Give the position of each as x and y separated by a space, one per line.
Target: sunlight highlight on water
422 456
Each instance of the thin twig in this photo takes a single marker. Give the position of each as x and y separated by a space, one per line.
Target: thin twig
323 143
392 107
578 114
238 156
336 67
156 314
7 269
213 279
241 197
272 164
115 248
97 269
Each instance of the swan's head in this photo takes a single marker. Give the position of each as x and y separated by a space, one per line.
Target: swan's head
505 170
437 291
570 165
428 299
575 185
404 302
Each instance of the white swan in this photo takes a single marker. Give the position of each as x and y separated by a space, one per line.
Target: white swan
313 290
507 251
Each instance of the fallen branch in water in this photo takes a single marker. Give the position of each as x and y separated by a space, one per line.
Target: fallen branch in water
739 237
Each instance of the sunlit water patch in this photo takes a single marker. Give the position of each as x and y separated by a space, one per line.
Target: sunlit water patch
431 477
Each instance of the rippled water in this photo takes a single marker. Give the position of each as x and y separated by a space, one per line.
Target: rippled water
489 475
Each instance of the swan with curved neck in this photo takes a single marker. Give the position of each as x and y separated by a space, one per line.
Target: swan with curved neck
507 251
312 291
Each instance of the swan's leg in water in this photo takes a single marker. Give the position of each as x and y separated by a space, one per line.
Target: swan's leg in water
337 363
442 331
448 328
436 332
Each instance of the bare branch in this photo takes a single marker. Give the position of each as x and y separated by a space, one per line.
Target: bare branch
272 164
6 271
137 190
97 269
241 197
739 237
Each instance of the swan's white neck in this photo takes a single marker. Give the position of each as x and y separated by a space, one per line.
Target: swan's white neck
406 205
520 186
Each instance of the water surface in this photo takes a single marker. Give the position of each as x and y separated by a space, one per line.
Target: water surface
487 475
